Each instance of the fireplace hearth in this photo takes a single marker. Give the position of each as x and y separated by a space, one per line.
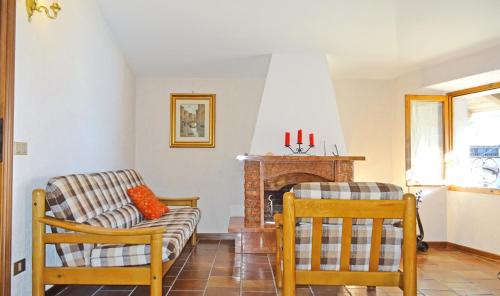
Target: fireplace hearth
267 178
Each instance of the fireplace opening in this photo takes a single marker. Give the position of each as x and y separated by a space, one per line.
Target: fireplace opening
273 202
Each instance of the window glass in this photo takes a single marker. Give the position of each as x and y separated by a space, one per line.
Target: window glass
427 147
476 140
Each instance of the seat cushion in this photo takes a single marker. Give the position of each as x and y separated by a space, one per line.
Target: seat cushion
390 250
348 191
180 224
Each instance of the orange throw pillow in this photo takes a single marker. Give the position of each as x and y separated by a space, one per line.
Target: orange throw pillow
147 203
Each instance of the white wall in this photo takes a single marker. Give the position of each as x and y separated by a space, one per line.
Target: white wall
298 94
213 174
473 220
364 108
74 105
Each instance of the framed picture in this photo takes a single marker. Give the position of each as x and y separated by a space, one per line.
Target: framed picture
192 120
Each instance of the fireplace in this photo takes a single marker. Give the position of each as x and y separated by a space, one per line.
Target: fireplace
273 202
269 177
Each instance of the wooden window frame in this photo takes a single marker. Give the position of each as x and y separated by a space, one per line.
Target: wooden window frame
446 130
7 49
451 96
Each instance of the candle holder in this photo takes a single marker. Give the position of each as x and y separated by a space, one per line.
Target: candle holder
299 150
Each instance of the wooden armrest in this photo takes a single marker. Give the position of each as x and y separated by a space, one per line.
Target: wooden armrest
78 227
179 198
180 201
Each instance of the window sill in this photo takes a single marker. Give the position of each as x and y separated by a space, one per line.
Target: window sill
424 185
493 191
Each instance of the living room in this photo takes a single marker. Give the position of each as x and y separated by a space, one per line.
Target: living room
207 99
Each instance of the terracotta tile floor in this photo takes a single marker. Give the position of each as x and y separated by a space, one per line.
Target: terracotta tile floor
212 268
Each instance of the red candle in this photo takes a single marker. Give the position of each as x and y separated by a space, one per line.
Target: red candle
287 139
311 139
299 137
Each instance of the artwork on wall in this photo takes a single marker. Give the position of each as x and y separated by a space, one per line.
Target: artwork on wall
192 120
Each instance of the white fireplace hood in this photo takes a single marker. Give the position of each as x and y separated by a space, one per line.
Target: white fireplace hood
298 94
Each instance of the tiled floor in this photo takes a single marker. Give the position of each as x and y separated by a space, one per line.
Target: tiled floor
212 268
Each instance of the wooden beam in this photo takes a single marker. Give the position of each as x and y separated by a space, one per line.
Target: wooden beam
77 238
97 275
83 228
376 244
410 246
349 208
353 278
476 89
345 245
317 235
289 244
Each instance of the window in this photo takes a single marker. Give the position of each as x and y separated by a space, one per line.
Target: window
455 139
475 155
426 139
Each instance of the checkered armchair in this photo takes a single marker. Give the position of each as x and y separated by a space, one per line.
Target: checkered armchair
343 234
101 237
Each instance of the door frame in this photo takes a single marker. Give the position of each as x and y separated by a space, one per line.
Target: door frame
7 49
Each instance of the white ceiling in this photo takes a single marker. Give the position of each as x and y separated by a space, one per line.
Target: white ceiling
375 39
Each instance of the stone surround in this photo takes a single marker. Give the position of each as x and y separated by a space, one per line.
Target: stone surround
275 172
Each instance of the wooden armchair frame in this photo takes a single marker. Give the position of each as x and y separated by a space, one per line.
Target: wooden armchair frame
151 275
287 277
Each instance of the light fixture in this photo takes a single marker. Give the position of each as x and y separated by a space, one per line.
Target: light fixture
51 11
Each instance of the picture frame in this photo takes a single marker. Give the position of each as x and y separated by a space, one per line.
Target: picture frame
192 120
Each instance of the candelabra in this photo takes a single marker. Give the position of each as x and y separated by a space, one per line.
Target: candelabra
299 149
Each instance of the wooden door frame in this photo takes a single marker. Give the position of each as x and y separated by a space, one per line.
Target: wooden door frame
7 48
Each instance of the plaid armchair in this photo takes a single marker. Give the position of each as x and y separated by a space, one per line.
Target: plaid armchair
370 243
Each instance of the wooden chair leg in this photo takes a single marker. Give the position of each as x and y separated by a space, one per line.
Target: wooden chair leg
288 245
279 250
410 247
156 265
194 238
38 287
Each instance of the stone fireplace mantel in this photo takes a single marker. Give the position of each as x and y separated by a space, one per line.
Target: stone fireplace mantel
271 173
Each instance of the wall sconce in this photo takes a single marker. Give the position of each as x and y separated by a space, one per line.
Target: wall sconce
51 11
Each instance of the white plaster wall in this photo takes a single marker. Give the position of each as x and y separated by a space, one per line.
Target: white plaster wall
298 94
473 220
457 68
433 213
364 106
214 174
74 105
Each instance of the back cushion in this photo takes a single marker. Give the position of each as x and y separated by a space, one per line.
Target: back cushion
348 191
98 199
82 197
